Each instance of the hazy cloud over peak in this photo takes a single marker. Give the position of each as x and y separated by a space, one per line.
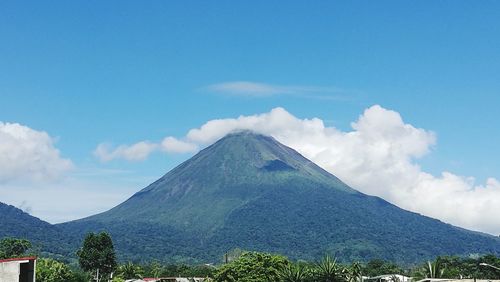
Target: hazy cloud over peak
173 145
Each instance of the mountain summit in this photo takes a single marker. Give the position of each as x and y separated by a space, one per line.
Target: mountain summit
251 192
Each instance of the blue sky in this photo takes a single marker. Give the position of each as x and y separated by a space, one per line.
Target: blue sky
119 72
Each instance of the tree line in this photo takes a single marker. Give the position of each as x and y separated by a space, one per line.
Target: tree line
97 262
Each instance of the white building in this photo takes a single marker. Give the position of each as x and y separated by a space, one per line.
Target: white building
388 278
456 280
18 269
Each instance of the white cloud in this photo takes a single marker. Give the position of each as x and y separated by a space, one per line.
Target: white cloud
173 145
141 150
29 155
379 156
258 89
136 152
248 88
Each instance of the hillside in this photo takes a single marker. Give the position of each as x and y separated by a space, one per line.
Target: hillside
44 236
249 191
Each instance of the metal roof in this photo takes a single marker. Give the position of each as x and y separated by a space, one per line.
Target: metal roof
17 259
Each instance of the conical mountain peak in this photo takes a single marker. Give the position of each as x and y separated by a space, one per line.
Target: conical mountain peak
259 150
247 140
234 170
249 136
245 133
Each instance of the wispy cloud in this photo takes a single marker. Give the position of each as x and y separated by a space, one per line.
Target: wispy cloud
258 89
136 152
141 150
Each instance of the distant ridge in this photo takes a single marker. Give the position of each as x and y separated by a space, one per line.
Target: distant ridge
16 223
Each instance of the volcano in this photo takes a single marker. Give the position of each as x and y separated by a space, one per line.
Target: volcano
251 192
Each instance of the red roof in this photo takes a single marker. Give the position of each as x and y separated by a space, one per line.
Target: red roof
157 279
17 259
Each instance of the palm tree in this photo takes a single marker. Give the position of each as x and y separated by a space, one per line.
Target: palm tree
354 272
154 269
130 271
327 270
294 273
434 269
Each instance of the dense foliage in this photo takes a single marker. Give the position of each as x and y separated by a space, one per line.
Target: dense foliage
252 266
130 271
47 238
49 270
377 267
13 247
456 267
261 267
249 266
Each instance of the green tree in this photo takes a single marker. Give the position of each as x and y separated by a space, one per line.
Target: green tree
487 272
153 269
13 247
232 254
328 270
252 266
377 267
97 255
130 271
49 270
452 267
80 276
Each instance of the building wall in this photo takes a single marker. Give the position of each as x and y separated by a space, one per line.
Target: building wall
9 271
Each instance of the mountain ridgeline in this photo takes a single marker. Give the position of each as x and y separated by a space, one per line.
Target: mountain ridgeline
251 192
45 237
